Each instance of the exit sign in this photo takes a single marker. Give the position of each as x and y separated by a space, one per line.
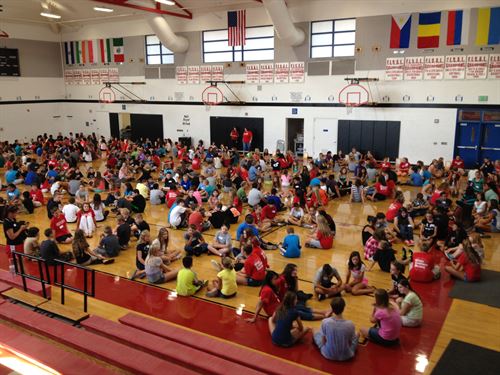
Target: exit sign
482 98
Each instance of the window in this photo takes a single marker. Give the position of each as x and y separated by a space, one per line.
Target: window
156 53
259 45
334 38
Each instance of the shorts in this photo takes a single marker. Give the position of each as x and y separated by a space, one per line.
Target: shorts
409 322
374 336
220 295
63 238
252 282
305 312
315 244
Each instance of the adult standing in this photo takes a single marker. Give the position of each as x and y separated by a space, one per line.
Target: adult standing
247 139
337 339
15 231
234 135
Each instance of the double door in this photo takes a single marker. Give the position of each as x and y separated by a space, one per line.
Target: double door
478 136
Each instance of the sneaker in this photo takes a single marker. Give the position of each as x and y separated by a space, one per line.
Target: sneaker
110 261
134 275
404 257
411 255
321 297
216 265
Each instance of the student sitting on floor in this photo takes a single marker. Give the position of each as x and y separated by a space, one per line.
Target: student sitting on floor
323 285
109 246
222 244
268 297
337 339
285 325
60 227
410 304
423 268
156 271
384 256
356 270
386 316
322 237
254 270
225 285
467 266
195 243
86 220
49 250
187 281
83 255
143 246
291 244
122 231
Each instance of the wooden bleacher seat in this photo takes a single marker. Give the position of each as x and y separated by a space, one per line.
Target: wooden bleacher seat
32 285
63 311
24 297
164 348
224 349
45 352
123 356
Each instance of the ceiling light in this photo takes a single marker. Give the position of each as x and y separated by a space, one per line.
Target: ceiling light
50 15
166 2
102 9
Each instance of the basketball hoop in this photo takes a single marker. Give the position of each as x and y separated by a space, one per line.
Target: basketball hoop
107 95
212 95
353 95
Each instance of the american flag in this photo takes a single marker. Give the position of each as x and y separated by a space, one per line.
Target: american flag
236 24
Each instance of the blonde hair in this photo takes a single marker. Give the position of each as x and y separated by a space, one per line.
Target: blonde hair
323 226
142 237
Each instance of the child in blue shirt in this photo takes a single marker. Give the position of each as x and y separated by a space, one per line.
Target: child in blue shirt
291 245
415 178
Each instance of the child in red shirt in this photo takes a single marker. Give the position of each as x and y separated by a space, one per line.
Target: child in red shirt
254 270
467 267
60 227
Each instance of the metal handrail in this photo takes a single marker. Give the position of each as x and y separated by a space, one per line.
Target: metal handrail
44 279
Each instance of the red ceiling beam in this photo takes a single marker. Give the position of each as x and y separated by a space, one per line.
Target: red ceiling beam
157 9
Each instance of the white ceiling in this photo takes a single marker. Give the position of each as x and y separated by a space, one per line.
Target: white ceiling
81 11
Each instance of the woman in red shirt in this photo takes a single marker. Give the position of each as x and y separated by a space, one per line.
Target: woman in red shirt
404 167
268 297
467 267
60 227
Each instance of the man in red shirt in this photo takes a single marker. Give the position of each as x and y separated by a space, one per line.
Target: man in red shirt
197 218
234 137
254 270
247 140
60 227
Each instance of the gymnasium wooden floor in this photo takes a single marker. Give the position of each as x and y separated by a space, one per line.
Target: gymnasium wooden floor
444 318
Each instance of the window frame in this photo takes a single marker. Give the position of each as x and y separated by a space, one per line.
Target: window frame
234 50
161 54
332 33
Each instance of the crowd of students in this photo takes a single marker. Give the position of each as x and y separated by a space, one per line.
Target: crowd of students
216 187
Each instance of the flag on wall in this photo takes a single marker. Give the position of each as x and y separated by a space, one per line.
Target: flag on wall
488 26
118 55
105 50
236 27
458 27
69 53
429 26
400 30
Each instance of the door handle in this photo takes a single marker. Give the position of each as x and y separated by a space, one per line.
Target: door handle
490 148
468 147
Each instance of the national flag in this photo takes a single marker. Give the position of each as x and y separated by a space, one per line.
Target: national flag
92 51
458 27
118 54
69 53
78 52
488 26
400 30
429 27
236 27
105 50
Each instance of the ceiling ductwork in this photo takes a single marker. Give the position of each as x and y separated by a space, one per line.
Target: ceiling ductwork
168 38
283 24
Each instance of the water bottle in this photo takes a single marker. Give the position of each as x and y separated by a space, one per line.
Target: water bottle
12 268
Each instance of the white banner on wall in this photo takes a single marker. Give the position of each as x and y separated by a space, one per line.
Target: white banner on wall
267 73
86 77
181 74
104 74
77 77
96 77
434 67
252 73
194 75
114 76
205 73
281 72
477 67
494 67
218 72
454 67
297 71
394 68
414 68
